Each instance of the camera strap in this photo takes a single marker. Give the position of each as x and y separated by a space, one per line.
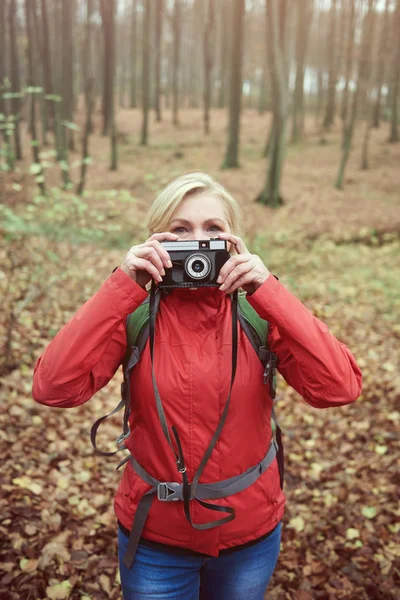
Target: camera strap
189 489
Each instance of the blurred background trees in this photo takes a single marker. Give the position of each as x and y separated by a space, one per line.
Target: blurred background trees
336 59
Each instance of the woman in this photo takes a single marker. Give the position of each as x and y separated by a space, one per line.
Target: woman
175 557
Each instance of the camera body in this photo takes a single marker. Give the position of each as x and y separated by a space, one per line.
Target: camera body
195 263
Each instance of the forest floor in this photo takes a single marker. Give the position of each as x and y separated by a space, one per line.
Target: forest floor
338 251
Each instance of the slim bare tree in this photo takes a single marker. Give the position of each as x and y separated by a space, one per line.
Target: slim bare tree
224 45
277 21
176 26
395 77
145 71
133 55
235 99
361 86
67 84
382 59
16 105
89 94
3 54
31 58
159 14
46 60
304 16
208 38
348 59
108 18
333 49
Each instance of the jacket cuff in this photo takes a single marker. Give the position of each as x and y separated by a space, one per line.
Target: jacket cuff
266 298
129 287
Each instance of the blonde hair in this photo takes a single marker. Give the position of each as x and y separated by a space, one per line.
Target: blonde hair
171 197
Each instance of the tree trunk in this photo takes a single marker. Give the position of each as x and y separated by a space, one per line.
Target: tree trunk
362 79
369 105
207 44
3 53
88 66
107 15
133 55
31 59
176 24
348 61
304 15
231 157
194 42
88 73
145 72
46 61
330 106
108 18
277 41
121 58
159 10
86 134
16 105
223 53
394 130
263 90
67 67
382 58
40 71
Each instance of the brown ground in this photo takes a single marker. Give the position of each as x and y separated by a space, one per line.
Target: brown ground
338 251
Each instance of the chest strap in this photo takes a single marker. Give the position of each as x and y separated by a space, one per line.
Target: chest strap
171 491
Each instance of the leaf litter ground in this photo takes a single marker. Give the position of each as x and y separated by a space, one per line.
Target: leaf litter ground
337 251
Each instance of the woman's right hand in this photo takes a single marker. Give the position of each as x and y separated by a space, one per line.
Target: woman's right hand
148 260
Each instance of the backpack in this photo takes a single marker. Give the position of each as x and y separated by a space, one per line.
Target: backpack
137 332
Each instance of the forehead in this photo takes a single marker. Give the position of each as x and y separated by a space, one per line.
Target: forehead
201 206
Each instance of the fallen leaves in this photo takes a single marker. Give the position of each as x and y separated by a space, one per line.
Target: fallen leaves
342 515
27 483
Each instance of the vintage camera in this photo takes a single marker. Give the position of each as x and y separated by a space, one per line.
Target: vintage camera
195 263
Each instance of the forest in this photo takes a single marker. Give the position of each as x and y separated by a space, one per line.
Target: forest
293 106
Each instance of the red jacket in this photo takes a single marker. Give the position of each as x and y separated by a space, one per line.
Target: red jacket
193 368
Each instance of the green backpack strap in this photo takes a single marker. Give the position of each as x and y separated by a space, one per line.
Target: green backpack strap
136 324
259 325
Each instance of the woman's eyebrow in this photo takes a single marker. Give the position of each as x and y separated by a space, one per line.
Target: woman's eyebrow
212 220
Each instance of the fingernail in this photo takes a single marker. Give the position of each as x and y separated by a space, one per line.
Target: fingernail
162 272
169 264
159 278
219 279
222 287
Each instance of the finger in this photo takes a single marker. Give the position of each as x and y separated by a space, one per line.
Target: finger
236 285
166 235
151 254
237 242
237 273
161 252
143 264
230 265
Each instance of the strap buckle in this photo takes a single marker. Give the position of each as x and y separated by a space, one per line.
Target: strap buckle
271 365
121 438
168 491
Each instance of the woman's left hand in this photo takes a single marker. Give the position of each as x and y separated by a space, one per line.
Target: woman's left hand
241 270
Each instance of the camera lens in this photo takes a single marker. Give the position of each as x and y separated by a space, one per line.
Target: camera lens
198 266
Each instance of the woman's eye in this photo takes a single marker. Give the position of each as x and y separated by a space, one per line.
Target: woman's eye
215 228
178 230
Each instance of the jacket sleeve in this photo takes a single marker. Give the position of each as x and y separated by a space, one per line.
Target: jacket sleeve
319 367
88 350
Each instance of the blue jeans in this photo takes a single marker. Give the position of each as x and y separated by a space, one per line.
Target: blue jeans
159 575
